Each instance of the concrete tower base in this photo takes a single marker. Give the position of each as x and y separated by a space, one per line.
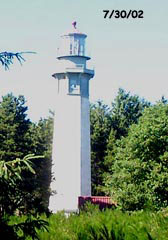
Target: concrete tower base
71 153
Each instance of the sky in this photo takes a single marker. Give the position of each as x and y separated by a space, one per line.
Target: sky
128 53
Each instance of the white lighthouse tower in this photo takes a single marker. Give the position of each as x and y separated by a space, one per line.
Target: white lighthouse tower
71 145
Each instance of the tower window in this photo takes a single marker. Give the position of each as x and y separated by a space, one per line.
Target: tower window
71 48
74 86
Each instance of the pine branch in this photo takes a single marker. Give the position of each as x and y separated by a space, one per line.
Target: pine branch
7 58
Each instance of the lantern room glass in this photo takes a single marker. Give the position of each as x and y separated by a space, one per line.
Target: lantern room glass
73 44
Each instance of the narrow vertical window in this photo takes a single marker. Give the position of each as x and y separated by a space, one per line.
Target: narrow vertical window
70 48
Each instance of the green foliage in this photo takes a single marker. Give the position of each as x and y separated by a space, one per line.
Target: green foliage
19 137
14 141
42 135
12 169
139 173
100 128
11 196
107 225
108 125
29 228
12 201
126 110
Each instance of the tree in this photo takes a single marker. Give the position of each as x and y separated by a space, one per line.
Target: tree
14 125
19 137
16 142
42 136
139 173
100 129
108 125
12 201
126 110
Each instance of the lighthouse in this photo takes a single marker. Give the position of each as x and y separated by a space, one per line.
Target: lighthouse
71 166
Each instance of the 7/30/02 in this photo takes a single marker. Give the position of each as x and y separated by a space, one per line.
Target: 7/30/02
123 14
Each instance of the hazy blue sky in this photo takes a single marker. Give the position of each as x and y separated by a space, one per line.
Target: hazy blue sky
127 53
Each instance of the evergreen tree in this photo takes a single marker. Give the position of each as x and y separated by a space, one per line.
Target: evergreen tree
19 137
42 140
14 126
126 110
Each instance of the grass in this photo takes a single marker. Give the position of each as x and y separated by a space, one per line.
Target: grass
107 225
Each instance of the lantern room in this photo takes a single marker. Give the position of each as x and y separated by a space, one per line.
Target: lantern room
72 72
72 43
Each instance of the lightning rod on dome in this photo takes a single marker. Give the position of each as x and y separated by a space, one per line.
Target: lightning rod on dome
74 24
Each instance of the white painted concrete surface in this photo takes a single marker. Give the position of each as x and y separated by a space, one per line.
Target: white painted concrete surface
71 143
